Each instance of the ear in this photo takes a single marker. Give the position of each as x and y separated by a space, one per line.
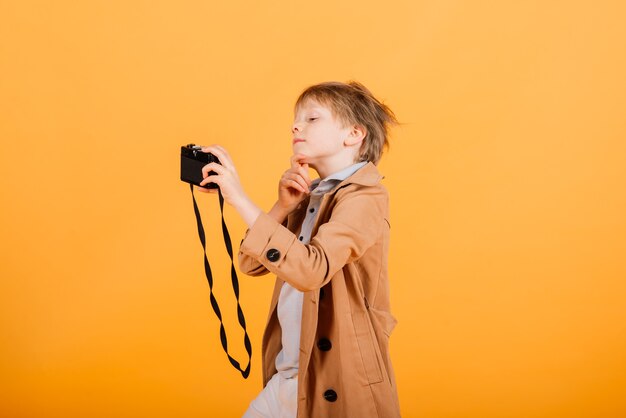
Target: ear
355 136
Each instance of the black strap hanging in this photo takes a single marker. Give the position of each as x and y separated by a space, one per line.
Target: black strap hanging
235 282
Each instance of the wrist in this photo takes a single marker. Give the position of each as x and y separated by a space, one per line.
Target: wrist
278 212
248 210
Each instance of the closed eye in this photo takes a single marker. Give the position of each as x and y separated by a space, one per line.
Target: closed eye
312 119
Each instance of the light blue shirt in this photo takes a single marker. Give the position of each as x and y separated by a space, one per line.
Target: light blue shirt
290 299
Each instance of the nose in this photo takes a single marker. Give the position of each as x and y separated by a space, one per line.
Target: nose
295 128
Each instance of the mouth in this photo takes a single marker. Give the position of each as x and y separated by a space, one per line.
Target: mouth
296 140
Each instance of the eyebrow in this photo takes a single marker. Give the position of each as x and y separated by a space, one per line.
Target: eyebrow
318 108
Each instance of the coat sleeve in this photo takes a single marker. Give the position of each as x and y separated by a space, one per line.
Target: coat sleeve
353 227
249 265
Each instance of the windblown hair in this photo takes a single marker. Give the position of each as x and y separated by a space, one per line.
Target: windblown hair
353 103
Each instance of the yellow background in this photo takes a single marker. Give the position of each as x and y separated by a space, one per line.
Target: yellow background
507 182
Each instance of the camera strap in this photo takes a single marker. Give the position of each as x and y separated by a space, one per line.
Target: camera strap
235 282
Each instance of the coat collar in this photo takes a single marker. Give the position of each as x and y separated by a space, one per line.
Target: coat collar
367 175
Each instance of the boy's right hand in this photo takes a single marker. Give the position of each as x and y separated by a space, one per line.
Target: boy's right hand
294 184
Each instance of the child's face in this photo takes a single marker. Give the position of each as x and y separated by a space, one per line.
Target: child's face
317 134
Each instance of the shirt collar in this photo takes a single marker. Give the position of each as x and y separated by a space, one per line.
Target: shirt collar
328 183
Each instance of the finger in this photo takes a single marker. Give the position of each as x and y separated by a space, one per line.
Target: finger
211 179
201 189
304 172
301 181
295 160
300 171
292 177
212 149
221 155
208 148
292 184
224 156
221 148
212 167
204 189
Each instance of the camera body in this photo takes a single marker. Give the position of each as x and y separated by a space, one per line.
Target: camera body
192 159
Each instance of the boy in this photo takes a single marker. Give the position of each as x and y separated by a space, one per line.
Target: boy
326 343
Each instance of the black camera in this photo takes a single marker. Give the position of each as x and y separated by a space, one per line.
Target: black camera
192 159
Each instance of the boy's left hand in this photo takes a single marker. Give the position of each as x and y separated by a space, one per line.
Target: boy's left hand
227 177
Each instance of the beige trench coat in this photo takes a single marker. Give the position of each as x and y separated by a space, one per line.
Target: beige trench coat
344 365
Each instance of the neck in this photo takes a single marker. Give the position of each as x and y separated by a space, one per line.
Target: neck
332 165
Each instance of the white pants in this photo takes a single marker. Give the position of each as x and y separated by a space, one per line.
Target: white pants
278 399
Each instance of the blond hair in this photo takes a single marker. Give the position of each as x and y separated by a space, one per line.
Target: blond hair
353 103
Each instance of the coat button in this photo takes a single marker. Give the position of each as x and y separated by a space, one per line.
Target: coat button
324 344
272 254
312 210
330 395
